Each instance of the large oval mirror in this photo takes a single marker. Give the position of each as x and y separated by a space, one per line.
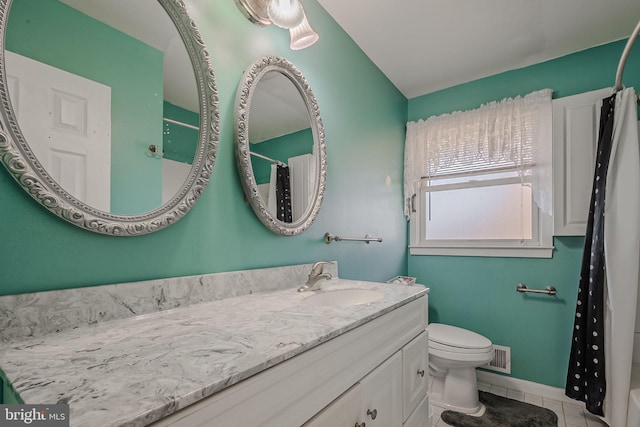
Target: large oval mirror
109 110
280 147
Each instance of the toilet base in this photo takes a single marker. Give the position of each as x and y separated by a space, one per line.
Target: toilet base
457 390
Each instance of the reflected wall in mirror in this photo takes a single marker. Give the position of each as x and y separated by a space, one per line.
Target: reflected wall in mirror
280 146
103 123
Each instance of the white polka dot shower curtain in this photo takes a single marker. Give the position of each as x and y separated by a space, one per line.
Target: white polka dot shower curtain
586 380
283 194
602 344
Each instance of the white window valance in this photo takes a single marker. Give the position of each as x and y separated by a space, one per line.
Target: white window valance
513 133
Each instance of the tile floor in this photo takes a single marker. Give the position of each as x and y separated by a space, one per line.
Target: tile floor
569 415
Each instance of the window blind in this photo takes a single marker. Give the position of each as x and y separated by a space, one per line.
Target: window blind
514 133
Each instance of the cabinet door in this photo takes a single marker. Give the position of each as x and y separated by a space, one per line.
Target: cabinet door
420 417
575 137
415 367
382 394
342 412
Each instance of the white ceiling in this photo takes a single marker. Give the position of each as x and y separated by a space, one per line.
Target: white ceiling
148 22
277 109
424 46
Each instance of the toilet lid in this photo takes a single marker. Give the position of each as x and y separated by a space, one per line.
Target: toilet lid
456 337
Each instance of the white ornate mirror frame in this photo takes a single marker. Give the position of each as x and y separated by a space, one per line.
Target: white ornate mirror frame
19 160
248 85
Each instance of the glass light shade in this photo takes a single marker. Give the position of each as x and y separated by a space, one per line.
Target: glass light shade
285 13
303 36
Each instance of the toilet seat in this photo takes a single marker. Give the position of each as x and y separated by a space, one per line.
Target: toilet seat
459 350
454 339
457 344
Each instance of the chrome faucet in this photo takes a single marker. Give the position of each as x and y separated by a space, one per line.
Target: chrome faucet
315 276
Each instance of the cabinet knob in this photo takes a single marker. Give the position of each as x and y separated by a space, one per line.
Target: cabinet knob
373 414
363 424
421 372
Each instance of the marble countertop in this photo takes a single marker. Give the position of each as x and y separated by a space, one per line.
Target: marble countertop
137 370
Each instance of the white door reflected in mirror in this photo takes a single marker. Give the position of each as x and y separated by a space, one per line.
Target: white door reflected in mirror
67 121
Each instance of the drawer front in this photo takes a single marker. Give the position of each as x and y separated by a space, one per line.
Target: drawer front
415 365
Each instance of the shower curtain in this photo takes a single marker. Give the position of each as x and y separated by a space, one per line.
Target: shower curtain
272 205
602 343
283 194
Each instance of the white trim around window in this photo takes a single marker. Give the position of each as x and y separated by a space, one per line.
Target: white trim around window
539 246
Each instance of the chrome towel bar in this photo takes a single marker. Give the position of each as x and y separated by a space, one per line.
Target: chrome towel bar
328 237
549 290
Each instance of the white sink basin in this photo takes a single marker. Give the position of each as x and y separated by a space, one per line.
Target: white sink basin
344 297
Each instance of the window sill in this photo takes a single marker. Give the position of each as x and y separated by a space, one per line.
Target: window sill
487 251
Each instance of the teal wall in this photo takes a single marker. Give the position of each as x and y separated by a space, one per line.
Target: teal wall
179 143
364 117
53 33
479 293
8 395
281 148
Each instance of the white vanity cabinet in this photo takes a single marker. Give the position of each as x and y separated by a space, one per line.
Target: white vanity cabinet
345 411
390 396
420 417
382 394
415 374
374 401
333 384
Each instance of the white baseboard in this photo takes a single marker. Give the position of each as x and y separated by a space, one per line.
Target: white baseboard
525 386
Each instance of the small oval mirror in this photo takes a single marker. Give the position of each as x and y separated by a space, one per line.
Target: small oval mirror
280 147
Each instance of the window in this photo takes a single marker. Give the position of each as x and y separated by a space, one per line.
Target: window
478 182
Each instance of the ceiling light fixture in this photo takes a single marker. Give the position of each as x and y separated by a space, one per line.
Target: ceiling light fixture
303 36
287 14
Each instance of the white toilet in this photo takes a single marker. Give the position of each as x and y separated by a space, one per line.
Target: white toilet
454 355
